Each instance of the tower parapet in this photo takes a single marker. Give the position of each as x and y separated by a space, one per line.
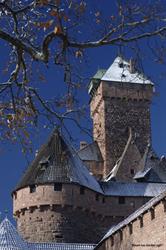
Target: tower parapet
120 98
49 200
58 200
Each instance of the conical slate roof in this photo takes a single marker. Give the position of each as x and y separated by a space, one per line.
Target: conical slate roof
91 152
153 168
120 71
9 238
58 162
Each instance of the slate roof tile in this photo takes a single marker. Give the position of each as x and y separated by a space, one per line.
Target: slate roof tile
58 162
9 237
153 168
113 188
90 153
11 240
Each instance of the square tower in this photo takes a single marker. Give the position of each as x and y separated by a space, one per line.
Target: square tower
120 99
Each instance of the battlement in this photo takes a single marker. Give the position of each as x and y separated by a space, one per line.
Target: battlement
127 91
121 99
63 215
47 214
58 199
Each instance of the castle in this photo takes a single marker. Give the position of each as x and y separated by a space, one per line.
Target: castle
75 197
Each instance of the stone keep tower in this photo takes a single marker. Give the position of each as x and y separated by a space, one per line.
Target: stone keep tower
120 99
53 200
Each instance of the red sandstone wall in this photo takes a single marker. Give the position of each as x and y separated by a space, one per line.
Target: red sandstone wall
114 108
48 215
96 168
148 232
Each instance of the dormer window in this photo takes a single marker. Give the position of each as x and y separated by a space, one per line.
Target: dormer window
32 188
44 164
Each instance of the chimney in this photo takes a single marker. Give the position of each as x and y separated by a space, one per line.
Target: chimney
132 66
83 144
163 159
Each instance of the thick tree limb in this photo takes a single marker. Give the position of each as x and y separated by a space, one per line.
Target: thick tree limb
120 38
36 55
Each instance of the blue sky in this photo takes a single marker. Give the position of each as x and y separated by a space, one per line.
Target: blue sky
13 163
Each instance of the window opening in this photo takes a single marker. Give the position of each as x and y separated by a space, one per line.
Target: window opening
32 188
57 186
121 200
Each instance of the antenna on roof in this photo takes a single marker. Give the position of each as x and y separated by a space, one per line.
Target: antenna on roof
120 53
132 65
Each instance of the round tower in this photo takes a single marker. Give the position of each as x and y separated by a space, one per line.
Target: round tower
49 202
120 99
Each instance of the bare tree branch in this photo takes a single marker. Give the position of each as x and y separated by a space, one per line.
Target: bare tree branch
59 32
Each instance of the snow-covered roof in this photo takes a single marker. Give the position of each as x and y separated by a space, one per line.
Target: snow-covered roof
120 71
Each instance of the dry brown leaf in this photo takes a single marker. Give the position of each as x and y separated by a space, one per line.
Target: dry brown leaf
97 14
53 12
78 53
57 30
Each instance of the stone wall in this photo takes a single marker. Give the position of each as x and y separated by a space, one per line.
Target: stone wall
146 232
114 108
59 224
97 108
95 168
129 164
47 215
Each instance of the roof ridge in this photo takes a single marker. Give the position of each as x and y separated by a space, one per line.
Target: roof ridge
63 165
118 73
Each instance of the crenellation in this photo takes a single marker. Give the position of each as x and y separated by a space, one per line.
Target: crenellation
58 208
121 106
146 232
59 199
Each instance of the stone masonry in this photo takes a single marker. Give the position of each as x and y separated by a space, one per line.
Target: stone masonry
116 107
145 232
59 200
68 215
